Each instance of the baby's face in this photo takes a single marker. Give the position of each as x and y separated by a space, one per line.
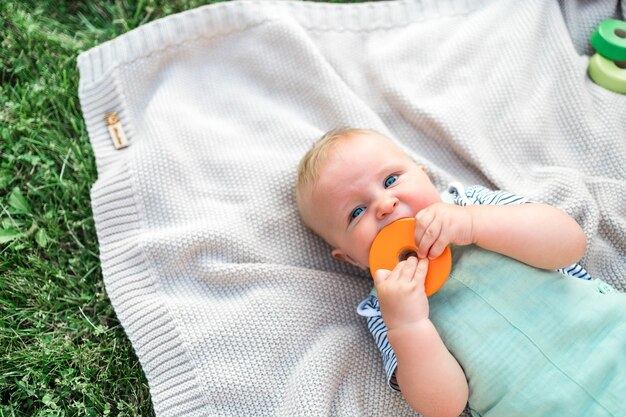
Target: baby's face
365 183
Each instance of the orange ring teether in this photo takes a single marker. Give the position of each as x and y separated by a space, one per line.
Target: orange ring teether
395 242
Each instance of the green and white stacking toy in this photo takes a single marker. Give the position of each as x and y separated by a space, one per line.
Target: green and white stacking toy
607 67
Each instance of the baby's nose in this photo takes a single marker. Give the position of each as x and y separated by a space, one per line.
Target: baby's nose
386 207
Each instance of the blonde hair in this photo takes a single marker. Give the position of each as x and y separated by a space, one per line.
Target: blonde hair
311 162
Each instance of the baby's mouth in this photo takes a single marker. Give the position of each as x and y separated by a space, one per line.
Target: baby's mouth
391 220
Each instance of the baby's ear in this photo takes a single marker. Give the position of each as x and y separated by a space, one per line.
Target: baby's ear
342 256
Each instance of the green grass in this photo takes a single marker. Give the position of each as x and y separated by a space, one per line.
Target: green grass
62 350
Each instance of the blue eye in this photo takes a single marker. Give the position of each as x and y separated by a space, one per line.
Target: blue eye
390 180
356 212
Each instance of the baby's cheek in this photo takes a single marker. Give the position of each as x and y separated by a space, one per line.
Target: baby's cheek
424 201
365 240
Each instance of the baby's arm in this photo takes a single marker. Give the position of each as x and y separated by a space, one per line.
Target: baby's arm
536 234
430 378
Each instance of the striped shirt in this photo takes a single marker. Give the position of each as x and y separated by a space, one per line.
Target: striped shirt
456 194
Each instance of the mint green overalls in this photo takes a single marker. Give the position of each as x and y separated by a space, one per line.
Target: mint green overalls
533 342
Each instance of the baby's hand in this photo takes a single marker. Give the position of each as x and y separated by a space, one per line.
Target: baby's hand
401 293
440 224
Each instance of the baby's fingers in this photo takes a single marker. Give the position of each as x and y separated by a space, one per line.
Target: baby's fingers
423 220
427 231
420 271
438 247
381 275
429 239
408 269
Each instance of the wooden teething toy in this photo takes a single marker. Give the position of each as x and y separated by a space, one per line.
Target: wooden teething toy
396 242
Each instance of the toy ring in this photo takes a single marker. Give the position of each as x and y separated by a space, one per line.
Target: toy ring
396 242
607 73
609 39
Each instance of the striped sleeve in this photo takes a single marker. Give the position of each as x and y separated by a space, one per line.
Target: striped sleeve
477 194
370 309
576 271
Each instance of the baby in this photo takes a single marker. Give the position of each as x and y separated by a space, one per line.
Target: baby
495 332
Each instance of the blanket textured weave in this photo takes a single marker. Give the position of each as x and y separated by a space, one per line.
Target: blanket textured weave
233 307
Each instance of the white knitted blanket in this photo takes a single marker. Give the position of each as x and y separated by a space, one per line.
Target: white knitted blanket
232 306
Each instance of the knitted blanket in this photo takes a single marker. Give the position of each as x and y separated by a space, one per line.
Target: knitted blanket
233 307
